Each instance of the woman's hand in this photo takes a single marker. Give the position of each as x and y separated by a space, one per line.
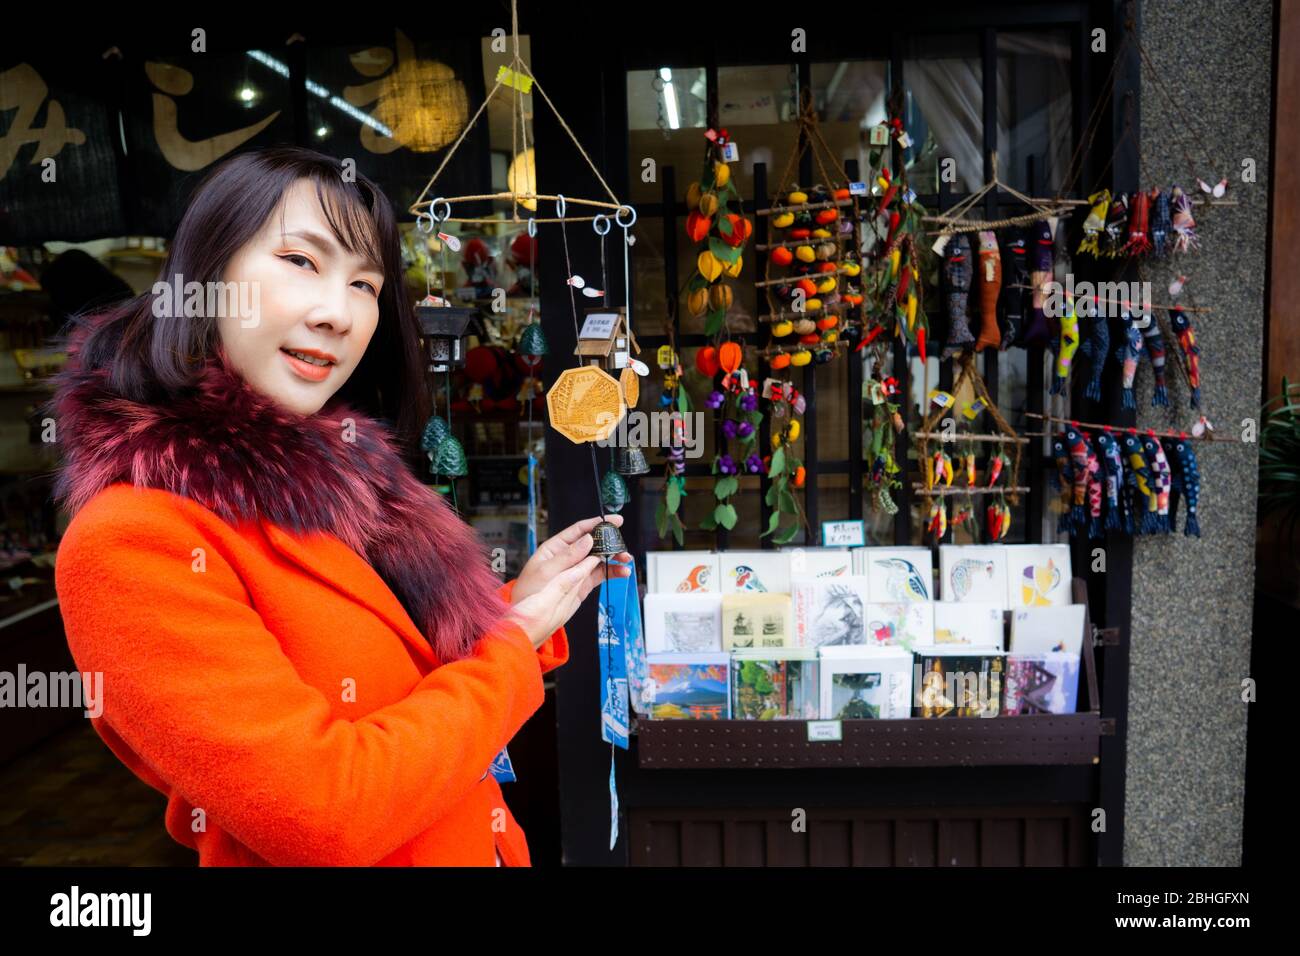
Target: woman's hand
559 576
561 552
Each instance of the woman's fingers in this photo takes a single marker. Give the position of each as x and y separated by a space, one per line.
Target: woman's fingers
579 528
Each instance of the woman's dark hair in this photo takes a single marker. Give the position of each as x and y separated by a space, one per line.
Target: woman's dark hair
150 359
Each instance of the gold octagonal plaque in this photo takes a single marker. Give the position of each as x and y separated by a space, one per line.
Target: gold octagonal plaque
585 404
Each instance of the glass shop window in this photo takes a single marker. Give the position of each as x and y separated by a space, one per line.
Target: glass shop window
943 111
1035 110
666 112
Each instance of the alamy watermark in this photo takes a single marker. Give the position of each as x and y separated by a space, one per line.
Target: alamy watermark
639 429
55 689
193 300
1102 299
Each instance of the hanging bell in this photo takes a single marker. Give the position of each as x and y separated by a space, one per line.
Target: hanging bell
608 540
613 492
532 343
434 432
449 459
630 461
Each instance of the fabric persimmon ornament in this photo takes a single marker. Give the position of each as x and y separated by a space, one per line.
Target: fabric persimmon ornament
697 226
781 256
825 216
796 198
706 361
780 360
800 359
729 356
807 286
782 328
783 220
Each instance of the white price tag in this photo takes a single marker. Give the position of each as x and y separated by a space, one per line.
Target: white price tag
825 730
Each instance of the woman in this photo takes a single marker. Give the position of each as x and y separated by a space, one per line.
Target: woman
301 645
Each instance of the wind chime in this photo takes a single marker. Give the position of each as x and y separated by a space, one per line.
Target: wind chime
586 403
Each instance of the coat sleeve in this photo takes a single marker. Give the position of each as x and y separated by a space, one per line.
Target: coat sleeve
555 651
200 690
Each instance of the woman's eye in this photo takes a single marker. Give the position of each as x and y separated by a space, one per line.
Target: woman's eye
295 257
366 285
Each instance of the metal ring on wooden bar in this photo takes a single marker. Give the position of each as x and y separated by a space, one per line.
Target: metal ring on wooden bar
420 219
532 227
619 212
560 205
433 210
597 220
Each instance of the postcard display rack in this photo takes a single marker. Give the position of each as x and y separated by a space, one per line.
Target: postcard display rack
1021 739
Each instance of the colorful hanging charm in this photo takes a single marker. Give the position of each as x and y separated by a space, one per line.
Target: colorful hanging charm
1187 483
1139 241
1184 226
1095 224
1129 354
1095 350
1065 349
1063 480
1116 227
990 285
1155 347
1039 333
1113 466
957 278
1162 479
1141 484
1161 222
1186 337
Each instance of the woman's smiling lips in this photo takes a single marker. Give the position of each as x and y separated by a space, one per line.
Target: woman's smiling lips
308 370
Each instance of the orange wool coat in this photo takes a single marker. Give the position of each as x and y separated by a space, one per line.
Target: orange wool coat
278 693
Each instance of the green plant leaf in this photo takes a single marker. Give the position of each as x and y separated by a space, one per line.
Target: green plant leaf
725 515
697 282
772 524
723 251
787 503
679 530
683 403
724 224
673 497
710 523
726 487
713 323
778 463
786 536
661 519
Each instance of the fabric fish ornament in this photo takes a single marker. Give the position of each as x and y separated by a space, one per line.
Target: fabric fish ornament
1187 482
1186 337
1083 464
1094 489
1139 241
957 277
1039 332
1143 506
1094 225
1063 480
1095 350
1015 273
989 283
1113 469
1161 224
1116 227
1185 238
1155 347
1065 349
1129 354
1162 479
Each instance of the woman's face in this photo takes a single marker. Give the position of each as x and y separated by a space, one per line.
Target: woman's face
314 297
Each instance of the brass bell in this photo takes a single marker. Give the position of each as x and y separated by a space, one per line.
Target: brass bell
630 461
608 540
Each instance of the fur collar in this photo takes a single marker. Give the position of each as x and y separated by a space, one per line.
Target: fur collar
237 453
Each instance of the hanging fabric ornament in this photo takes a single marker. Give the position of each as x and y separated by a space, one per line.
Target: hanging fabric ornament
1185 238
1116 227
1095 350
1094 225
990 285
1129 355
1038 332
1161 224
1015 269
613 492
1139 242
448 459
957 279
1155 343
1065 348
1183 331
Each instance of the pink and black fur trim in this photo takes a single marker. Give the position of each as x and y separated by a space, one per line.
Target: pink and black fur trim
237 453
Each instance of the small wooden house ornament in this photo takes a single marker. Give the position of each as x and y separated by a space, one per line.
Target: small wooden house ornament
606 339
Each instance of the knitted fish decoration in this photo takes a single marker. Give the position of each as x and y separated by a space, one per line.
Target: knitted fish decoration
1095 477
1039 333
1184 226
1161 224
1139 240
1065 349
1015 271
1113 468
1083 464
957 276
1162 479
1116 227
1095 224
1063 480
1187 482
1142 505
989 283
1186 337
1095 350
1155 347
1129 355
